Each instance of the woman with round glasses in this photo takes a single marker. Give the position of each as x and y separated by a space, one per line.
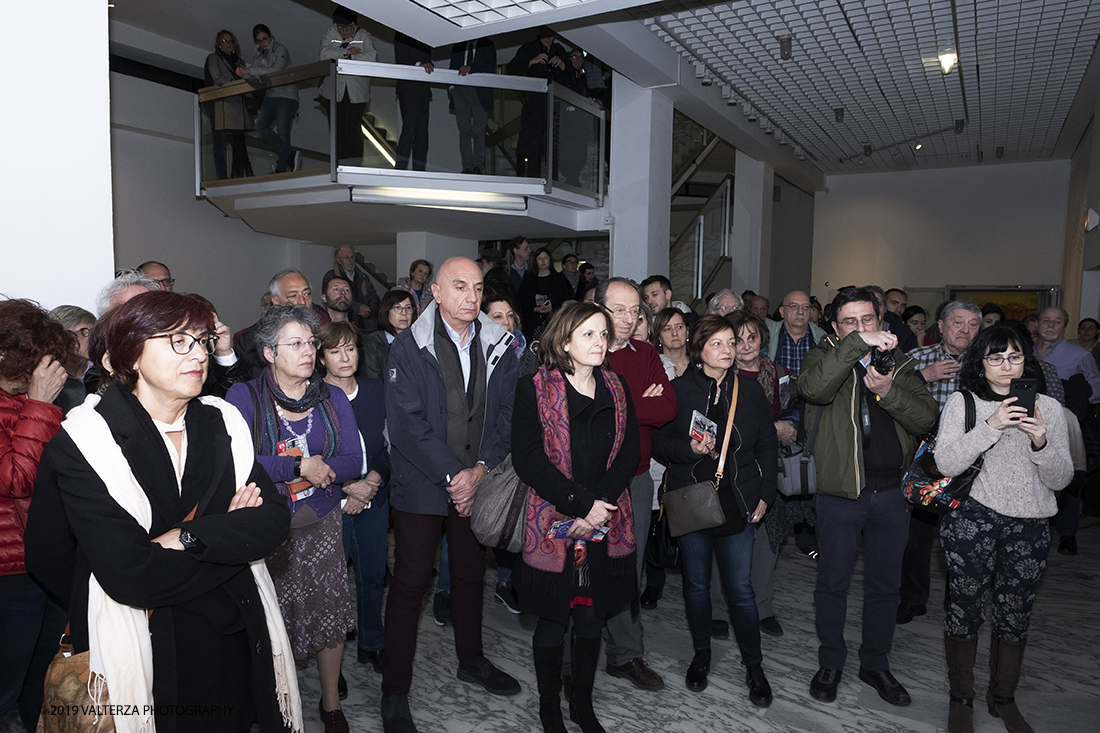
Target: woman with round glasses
304 434
151 498
396 312
996 543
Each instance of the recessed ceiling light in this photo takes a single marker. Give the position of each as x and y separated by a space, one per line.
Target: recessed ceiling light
948 60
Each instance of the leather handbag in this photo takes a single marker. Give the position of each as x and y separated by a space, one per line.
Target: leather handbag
500 508
926 488
696 506
797 474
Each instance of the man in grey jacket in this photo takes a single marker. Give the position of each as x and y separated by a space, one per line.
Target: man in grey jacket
451 380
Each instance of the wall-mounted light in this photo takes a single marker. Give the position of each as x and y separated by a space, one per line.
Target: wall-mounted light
1091 220
948 59
785 47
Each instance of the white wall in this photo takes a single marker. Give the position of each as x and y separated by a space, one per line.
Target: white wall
55 194
980 225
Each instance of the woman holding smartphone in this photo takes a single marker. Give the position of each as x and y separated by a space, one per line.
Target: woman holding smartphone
996 543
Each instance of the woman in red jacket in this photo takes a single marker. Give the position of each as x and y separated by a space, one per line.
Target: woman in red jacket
33 348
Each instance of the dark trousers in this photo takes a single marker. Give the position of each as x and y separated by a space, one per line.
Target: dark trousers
992 558
349 133
416 539
413 143
916 565
883 520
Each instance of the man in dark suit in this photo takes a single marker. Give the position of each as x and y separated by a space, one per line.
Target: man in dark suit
472 105
414 98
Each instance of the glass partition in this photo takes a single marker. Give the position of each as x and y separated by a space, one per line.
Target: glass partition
702 246
389 117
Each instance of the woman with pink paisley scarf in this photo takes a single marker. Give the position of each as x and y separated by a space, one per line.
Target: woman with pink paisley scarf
575 443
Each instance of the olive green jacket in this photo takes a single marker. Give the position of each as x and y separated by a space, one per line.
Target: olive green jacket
828 381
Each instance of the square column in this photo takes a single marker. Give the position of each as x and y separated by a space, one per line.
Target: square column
641 177
750 243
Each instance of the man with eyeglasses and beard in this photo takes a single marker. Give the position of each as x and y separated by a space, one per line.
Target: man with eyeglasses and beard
873 408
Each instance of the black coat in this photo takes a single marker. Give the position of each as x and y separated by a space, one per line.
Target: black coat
201 600
592 433
753 456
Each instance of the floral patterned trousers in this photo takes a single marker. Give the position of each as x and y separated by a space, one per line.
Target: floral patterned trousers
991 556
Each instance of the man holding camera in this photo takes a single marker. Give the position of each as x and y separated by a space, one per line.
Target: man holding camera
875 407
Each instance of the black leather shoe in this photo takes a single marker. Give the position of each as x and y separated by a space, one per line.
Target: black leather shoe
396 717
760 692
639 673
889 689
342 687
696 677
1067 546
374 659
492 679
823 685
719 629
649 598
770 626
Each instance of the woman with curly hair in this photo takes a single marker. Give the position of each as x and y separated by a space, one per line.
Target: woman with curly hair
996 543
33 351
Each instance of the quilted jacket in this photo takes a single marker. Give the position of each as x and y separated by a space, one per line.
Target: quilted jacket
25 428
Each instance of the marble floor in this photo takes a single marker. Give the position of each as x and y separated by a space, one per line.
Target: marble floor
1059 692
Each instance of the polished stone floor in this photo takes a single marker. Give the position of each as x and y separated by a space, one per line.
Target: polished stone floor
1059 692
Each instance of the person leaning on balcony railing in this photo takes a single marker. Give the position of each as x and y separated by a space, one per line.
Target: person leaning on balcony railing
228 117
345 40
280 103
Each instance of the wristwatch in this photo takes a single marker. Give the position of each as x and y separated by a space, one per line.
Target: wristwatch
190 542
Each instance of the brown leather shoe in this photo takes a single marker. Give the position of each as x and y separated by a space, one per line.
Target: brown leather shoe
334 721
639 673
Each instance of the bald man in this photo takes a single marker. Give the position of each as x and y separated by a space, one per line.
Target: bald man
452 356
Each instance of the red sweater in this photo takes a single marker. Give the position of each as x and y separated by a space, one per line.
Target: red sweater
640 365
25 428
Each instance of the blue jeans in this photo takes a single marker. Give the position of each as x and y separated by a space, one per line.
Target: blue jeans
365 538
32 622
277 112
734 555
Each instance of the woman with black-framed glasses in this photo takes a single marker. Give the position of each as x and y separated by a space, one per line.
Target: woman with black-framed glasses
151 498
996 543
304 434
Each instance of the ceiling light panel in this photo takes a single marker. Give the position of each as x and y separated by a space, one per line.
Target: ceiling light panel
1019 66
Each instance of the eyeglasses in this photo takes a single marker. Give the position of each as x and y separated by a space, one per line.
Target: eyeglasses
853 322
182 343
297 345
164 282
631 313
995 360
405 309
81 332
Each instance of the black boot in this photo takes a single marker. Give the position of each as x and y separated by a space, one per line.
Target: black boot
960 676
586 653
548 674
1005 662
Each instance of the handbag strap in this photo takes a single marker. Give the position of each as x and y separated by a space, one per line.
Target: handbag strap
729 429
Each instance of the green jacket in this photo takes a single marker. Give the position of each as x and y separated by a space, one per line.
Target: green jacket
828 381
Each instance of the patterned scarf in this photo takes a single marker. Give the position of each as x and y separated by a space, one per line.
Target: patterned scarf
316 394
553 406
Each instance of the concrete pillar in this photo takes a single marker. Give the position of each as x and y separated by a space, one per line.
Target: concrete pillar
641 174
56 224
750 245
434 248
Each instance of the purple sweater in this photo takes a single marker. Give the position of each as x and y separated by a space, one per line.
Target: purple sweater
347 462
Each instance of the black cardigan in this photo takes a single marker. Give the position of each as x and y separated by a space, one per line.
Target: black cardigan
592 433
752 459
75 527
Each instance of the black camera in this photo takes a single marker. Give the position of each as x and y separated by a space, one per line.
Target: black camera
882 361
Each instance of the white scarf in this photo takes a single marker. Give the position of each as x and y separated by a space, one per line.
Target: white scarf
121 654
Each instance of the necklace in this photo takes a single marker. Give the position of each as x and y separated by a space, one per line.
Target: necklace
286 424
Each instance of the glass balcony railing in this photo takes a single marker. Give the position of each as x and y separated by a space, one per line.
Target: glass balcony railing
703 246
351 116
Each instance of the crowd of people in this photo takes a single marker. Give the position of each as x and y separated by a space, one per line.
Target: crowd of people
270 110
183 502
